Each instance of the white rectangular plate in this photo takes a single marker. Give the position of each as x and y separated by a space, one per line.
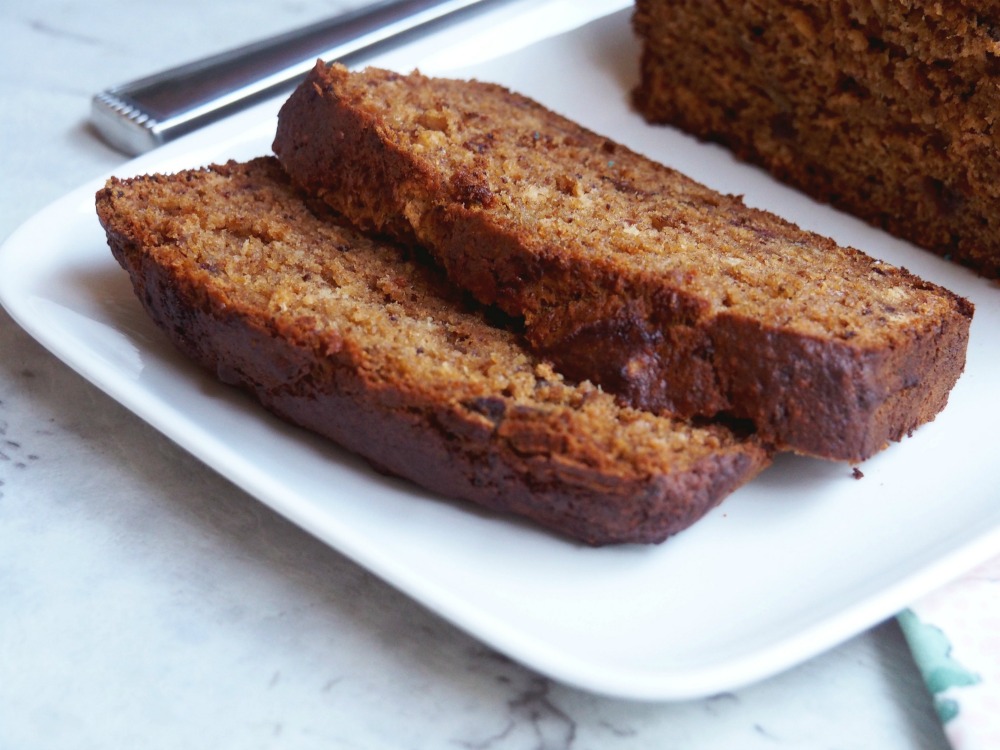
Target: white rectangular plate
803 558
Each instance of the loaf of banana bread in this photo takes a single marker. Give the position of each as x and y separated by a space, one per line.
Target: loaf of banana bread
886 110
356 340
627 273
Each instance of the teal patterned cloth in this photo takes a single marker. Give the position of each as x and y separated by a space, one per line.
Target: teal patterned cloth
954 634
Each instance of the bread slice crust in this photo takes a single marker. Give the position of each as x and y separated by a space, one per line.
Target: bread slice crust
626 272
353 339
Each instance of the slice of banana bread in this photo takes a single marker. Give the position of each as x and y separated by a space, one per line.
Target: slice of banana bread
626 272
351 338
885 109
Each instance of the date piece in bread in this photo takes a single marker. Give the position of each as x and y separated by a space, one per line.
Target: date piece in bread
352 339
884 109
626 272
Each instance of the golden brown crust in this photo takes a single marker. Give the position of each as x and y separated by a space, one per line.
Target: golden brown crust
626 272
352 339
883 109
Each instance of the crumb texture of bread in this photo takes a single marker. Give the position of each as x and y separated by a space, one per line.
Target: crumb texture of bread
627 273
884 109
358 341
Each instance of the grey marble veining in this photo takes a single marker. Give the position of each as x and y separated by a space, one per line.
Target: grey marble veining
146 602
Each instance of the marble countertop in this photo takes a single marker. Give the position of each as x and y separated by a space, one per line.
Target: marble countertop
146 602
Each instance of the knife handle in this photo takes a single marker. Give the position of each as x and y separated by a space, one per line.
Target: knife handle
142 114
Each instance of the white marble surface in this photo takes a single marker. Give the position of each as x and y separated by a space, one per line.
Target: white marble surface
146 602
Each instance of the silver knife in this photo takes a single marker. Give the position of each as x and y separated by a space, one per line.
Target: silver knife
143 114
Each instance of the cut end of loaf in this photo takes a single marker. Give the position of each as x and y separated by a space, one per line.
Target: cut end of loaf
884 110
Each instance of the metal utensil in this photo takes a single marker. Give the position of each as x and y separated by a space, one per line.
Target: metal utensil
142 114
